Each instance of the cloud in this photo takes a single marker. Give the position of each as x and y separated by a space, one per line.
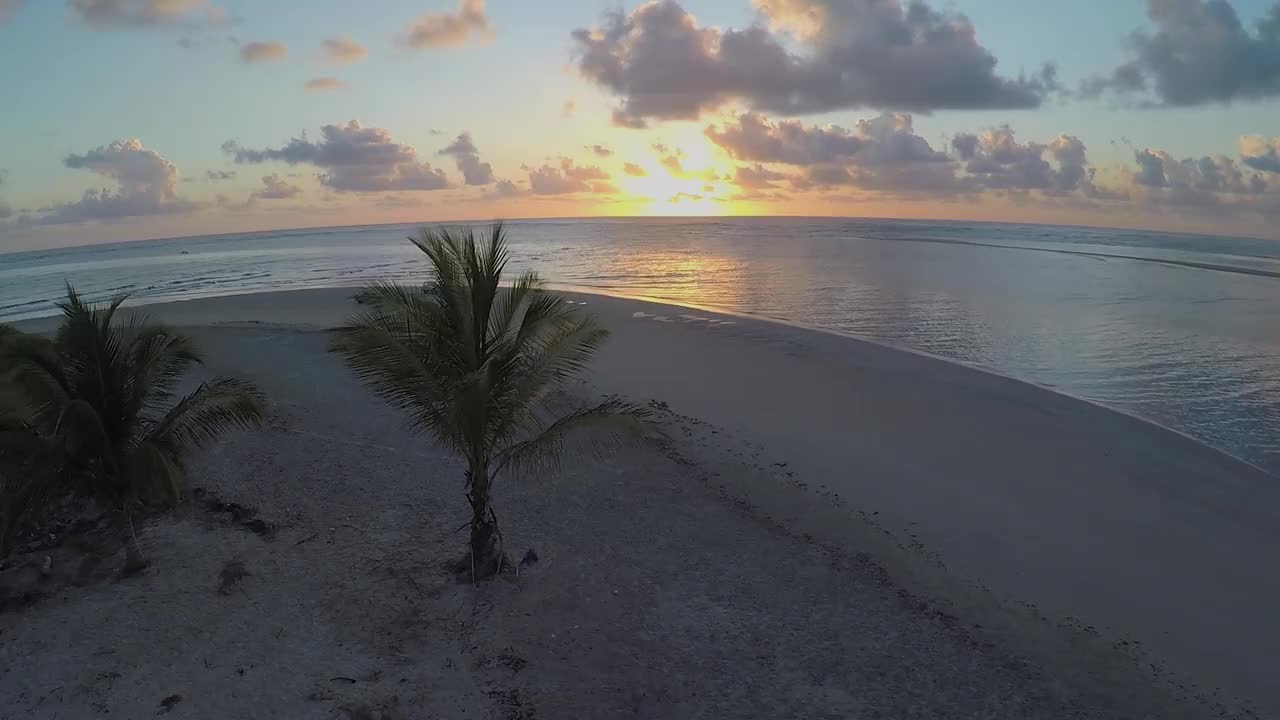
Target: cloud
467 157
885 154
220 175
1200 53
146 184
600 151
344 50
1158 169
996 160
661 64
506 188
8 8
756 177
260 52
569 178
1260 154
108 14
276 188
324 84
569 109
634 170
353 158
754 137
449 29
672 164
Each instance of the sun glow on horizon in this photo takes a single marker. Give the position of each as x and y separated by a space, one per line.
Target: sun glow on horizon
683 177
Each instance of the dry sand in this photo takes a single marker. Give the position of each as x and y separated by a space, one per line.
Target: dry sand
830 528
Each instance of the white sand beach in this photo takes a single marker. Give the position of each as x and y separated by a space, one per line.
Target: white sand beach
829 528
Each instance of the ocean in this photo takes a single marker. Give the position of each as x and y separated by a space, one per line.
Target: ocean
1179 329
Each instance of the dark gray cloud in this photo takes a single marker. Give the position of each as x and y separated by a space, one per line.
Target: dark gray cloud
219 175
465 154
353 158
997 161
260 52
449 29
344 50
756 177
275 187
884 153
107 14
568 178
1199 53
755 138
1158 169
506 189
146 184
1260 154
662 64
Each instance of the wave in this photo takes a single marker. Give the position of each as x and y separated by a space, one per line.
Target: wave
1236 269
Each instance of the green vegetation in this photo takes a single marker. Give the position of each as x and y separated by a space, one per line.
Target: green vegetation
472 364
95 409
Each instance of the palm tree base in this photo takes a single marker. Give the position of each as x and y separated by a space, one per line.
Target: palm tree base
465 571
134 566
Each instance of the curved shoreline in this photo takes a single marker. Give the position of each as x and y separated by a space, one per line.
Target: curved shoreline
1039 497
654 300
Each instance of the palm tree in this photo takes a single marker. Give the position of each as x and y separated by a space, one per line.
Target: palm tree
471 365
105 392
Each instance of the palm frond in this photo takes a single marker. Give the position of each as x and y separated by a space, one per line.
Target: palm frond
215 407
36 376
596 428
158 357
158 472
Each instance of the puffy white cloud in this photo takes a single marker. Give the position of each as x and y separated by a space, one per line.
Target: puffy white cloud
260 52
449 29
1199 53
275 187
343 50
662 64
568 178
467 157
146 184
353 158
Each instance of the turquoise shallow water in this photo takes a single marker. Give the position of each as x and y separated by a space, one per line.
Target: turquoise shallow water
1179 329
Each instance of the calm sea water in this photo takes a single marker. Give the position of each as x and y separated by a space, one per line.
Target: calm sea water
1179 329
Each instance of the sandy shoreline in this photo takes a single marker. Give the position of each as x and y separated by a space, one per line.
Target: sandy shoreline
1028 498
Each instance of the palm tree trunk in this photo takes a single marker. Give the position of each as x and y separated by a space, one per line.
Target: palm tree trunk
134 562
484 525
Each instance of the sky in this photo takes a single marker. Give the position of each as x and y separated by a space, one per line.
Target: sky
136 119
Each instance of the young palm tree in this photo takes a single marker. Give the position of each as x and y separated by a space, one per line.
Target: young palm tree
105 392
471 364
